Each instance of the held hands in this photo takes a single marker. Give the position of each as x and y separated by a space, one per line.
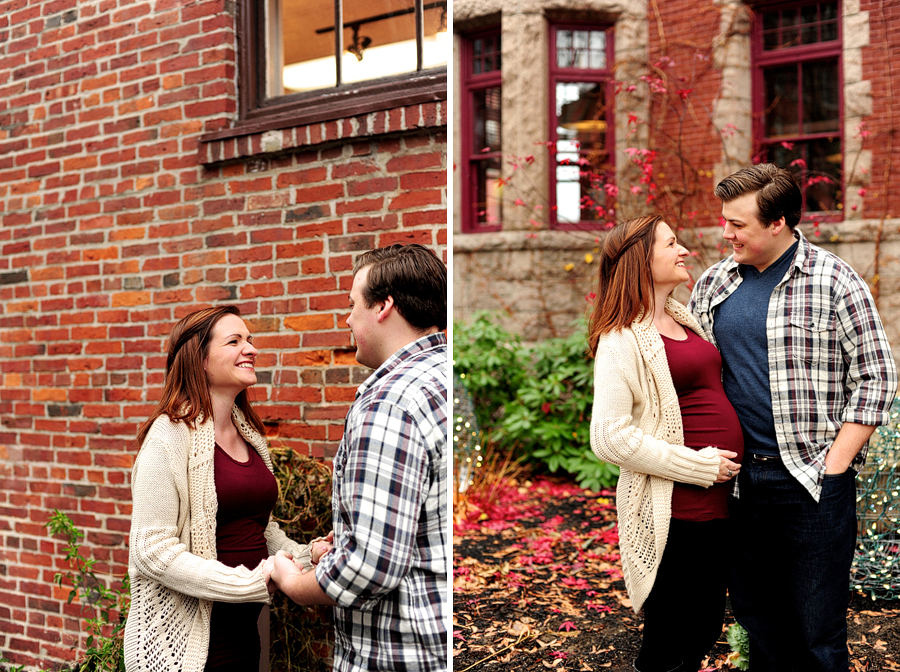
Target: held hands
280 569
284 570
727 468
321 546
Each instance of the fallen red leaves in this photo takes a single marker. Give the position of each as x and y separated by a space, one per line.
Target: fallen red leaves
537 585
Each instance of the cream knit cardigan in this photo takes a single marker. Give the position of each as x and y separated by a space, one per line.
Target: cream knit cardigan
636 424
175 576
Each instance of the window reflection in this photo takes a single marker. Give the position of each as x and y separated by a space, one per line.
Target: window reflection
379 40
582 160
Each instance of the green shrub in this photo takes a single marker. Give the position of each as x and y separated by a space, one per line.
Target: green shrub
739 642
535 401
488 361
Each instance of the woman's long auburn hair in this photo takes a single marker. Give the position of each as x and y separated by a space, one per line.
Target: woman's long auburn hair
624 279
185 396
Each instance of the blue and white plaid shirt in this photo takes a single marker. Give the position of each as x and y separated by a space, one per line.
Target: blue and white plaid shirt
829 358
388 570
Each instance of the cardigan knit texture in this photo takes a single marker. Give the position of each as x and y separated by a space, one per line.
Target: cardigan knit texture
175 577
636 424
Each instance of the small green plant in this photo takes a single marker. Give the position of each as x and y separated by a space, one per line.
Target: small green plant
17 668
533 401
739 642
107 608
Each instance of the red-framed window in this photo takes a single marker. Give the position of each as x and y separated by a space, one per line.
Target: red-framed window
798 97
307 61
582 132
480 132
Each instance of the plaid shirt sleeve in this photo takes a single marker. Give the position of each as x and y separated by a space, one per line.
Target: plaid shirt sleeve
871 378
383 482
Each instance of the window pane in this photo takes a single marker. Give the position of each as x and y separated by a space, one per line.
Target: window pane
486 121
485 54
487 188
580 110
581 156
790 37
809 15
437 42
379 48
824 160
598 50
817 166
379 41
809 24
781 101
829 29
564 50
584 49
820 97
307 59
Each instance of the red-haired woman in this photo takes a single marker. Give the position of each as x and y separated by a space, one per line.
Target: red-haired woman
660 414
203 492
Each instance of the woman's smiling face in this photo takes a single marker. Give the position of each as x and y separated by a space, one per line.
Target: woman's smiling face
667 265
231 360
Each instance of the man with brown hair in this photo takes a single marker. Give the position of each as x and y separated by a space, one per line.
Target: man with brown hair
808 368
387 574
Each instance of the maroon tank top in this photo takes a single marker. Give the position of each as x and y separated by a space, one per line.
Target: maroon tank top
708 419
246 493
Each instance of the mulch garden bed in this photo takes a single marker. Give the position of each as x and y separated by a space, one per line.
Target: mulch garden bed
538 585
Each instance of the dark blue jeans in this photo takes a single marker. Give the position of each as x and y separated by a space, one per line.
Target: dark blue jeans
791 585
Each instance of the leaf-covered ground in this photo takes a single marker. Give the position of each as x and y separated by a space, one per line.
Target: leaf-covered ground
538 585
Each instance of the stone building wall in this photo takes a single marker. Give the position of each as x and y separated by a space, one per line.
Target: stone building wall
537 280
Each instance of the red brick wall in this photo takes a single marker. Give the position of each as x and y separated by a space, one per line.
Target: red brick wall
684 33
682 131
881 66
116 219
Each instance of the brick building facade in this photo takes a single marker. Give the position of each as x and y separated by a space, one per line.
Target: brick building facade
709 87
135 186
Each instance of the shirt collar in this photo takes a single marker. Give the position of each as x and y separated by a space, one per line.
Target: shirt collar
801 257
429 342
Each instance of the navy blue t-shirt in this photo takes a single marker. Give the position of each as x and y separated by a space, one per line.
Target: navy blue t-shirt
740 330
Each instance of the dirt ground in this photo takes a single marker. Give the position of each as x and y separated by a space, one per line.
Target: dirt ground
538 586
